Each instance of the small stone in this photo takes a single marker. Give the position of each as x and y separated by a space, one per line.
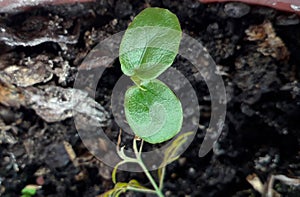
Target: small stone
173 175
247 110
168 193
182 161
211 28
123 9
192 172
287 20
6 159
236 10
295 7
105 172
40 180
81 176
56 156
2 189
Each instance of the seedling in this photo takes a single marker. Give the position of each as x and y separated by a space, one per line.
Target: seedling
29 190
154 113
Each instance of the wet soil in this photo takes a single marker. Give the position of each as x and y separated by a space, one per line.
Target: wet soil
46 45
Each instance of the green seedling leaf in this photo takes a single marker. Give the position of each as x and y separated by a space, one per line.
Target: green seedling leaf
153 111
122 187
150 44
171 153
30 190
135 184
116 191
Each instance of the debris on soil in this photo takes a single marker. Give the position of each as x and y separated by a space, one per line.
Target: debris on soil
251 76
9 121
71 153
53 104
34 71
37 29
63 71
10 95
267 162
56 155
269 44
21 5
103 55
284 20
267 188
236 10
256 183
6 137
286 5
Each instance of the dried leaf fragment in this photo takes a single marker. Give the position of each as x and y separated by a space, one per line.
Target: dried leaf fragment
71 153
269 44
10 96
24 77
6 137
255 182
56 104
29 71
266 189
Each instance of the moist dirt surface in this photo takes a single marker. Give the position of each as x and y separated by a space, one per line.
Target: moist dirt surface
256 50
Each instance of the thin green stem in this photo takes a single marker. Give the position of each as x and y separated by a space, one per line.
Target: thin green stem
141 190
141 147
152 181
141 163
137 82
138 160
135 149
162 176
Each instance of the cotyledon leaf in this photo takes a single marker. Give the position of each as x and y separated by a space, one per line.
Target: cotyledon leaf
153 111
150 44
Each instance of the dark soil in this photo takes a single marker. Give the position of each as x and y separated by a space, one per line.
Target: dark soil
262 131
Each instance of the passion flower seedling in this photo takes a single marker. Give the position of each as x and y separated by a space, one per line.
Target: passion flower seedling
154 113
148 47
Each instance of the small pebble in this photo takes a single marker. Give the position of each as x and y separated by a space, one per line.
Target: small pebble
213 28
182 161
295 7
192 172
123 9
287 20
57 156
2 189
236 10
168 193
173 175
247 110
40 180
6 159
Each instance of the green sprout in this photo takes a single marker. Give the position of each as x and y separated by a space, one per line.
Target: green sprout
29 190
171 155
154 113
